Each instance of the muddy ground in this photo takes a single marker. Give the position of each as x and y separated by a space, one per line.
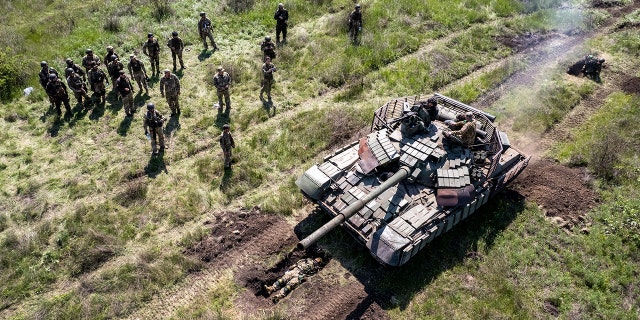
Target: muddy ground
250 239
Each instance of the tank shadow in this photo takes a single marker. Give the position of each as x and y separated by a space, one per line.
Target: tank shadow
391 287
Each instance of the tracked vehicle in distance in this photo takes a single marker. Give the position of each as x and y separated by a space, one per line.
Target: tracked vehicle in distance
396 190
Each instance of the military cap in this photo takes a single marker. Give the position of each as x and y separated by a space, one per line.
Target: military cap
121 71
175 33
43 64
52 76
226 126
88 51
150 105
166 71
149 35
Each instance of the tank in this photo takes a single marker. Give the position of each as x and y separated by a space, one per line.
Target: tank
398 189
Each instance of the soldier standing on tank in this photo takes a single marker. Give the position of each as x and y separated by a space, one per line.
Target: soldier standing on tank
282 18
77 85
109 56
268 48
226 143
177 46
87 59
152 123
204 29
293 277
222 81
75 68
125 89
355 23
97 78
138 72
44 73
151 48
267 77
114 67
57 92
170 87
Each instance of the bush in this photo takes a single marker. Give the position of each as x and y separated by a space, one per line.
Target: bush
113 24
13 75
161 10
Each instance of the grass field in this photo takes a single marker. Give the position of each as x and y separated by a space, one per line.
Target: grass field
82 202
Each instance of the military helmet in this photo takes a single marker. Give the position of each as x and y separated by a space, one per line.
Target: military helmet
166 71
109 48
358 6
150 106
113 57
69 70
43 64
468 114
432 101
149 35
267 38
68 61
226 126
202 14
175 33
52 76
88 51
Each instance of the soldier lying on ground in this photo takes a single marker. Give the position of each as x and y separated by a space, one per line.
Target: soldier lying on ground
293 277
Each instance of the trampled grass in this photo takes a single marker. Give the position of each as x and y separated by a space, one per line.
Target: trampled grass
78 194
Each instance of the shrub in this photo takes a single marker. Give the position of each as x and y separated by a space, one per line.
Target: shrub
113 24
161 10
13 74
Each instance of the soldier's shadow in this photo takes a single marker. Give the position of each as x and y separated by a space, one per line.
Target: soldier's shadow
55 126
79 112
172 125
124 126
269 107
114 104
156 165
221 119
204 54
97 111
226 179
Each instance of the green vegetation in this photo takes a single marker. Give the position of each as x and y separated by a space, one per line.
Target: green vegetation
83 203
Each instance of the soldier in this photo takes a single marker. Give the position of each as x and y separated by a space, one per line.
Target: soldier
77 85
114 67
97 78
170 85
592 67
427 111
57 92
176 45
152 123
222 81
125 89
226 143
138 72
268 48
109 56
293 277
45 72
204 29
355 23
282 17
151 49
411 124
90 57
267 72
465 133
75 68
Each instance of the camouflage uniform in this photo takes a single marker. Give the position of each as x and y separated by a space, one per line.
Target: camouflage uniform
97 78
170 87
138 73
293 277
57 92
268 48
44 75
466 131
222 81
152 123
177 46
114 68
88 59
125 89
355 23
267 81
226 143
282 17
204 29
110 52
76 84
76 69
151 49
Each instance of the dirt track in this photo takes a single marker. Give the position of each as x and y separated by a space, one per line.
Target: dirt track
249 240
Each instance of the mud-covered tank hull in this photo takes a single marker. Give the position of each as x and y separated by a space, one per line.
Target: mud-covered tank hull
395 192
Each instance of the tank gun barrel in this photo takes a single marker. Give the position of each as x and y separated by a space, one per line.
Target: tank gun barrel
353 208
